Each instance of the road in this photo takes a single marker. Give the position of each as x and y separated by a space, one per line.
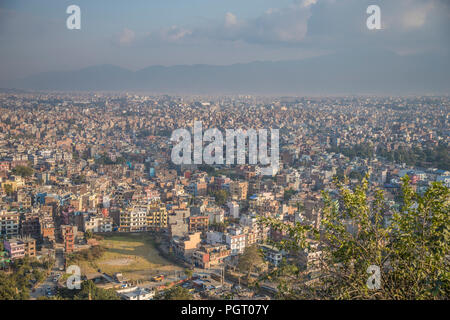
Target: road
41 289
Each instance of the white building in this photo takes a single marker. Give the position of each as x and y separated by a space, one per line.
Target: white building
233 206
272 254
136 293
236 241
214 237
98 224
216 216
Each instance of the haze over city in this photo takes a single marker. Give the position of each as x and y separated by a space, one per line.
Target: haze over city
224 154
273 47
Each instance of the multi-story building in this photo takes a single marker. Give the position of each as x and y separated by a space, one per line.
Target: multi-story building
178 222
233 207
15 248
134 219
19 248
238 190
272 254
68 233
5 165
209 256
186 246
251 238
135 293
214 237
235 241
197 189
47 228
24 199
9 224
156 216
98 223
198 223
30 224
30 246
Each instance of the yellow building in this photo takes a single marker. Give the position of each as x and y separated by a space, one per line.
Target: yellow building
238 190
156 215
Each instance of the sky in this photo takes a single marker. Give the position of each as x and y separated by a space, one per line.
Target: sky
140 33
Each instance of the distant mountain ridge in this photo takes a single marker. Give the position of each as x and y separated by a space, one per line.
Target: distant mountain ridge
349 72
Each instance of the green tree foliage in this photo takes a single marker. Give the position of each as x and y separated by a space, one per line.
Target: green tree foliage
88 291
412 251
93 253
8 189
177 293
48 263
438 156
355 174
104 159
17 284
188 273
88 234
221 197
38 275
8 288
364 150
250 259
78 179
207 168
22 171
288 193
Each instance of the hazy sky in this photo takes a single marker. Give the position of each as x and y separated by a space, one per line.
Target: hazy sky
138 33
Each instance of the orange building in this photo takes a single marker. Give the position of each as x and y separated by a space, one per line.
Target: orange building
198 223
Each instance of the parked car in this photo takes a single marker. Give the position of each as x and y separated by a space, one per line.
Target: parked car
158 278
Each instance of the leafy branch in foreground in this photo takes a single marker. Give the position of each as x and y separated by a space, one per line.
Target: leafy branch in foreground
411 247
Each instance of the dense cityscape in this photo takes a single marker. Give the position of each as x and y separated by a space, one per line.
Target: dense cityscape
88 184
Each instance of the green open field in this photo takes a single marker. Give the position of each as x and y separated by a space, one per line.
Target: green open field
133 254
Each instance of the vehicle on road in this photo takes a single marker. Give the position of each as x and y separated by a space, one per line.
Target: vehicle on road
158 278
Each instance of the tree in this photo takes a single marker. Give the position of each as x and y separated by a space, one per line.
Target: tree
88 234
411 251
221 197
78 179
38 275
177 293
48 263
288 193
8 189
88 291
251 258
16 286
188 273
207 168
8 288
22 171
355 174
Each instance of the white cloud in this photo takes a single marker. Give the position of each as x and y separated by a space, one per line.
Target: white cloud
230 19
283 26
416 16
335 25
126 37
174 33
307 3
